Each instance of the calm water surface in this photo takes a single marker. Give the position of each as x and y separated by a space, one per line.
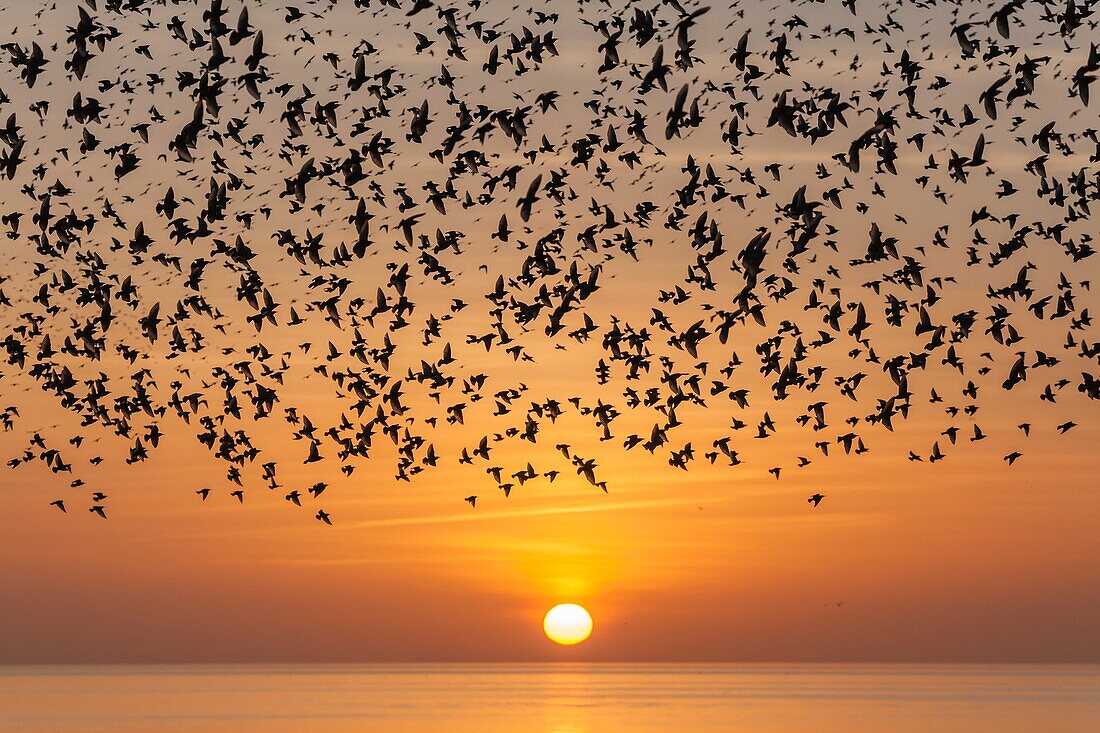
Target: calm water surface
562 698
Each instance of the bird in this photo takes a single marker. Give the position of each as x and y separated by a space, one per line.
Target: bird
815 499
439 230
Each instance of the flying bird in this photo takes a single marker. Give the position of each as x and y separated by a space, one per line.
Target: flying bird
422 240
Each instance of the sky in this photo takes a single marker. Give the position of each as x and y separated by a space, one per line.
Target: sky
965 560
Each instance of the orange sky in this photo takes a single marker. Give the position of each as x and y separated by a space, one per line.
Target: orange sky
966 560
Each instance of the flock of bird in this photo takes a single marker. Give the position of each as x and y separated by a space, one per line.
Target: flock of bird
814 216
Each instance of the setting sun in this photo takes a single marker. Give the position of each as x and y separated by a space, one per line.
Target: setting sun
567 624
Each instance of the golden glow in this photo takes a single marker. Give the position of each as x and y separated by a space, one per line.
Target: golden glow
567 624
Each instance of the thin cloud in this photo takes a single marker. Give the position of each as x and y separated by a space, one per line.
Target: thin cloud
481 516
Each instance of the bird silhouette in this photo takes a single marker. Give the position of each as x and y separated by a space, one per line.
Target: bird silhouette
349 235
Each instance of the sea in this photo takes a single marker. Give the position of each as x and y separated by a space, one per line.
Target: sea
550 698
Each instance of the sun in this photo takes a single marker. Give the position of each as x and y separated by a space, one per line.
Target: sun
567 624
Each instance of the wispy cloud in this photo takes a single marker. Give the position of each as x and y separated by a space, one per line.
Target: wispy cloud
483 516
